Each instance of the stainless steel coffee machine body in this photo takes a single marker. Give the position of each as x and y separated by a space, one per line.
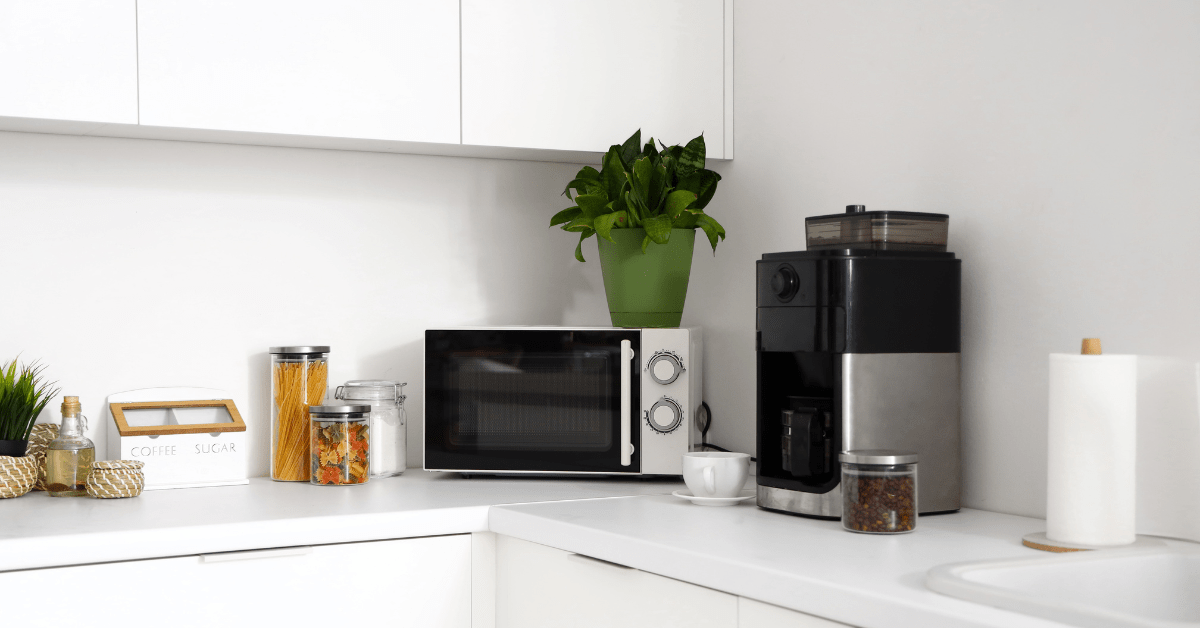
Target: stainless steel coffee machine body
857 349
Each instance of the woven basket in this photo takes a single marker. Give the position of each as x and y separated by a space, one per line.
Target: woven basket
110 479
39 441
17 475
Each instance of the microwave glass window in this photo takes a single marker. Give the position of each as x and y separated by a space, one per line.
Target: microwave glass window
529 401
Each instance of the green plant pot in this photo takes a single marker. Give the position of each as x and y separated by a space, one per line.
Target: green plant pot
646 290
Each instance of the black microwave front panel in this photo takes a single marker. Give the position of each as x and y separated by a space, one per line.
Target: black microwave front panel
541 400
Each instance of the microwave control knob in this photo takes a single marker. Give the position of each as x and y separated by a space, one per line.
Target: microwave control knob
665 415
665 367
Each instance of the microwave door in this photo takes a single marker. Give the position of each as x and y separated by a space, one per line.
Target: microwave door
549 401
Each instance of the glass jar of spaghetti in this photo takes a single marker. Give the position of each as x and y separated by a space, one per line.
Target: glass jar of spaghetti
299 379
341 444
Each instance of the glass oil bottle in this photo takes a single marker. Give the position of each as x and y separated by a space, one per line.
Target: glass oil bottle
69 457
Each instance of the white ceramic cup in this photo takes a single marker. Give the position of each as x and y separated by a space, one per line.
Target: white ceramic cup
715 473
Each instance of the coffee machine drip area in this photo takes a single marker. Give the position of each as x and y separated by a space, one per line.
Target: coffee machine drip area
858 348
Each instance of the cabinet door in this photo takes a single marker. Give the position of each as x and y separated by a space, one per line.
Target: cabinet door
538 586
754 614
585 75
411 582
69 60
375 69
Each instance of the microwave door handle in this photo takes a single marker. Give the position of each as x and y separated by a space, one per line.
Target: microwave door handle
626 403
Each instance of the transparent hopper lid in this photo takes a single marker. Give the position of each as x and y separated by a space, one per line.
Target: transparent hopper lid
883 230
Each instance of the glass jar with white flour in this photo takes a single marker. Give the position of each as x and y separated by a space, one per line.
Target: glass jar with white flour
389 437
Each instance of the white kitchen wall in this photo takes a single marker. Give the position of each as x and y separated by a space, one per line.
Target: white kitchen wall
1063 137
133 264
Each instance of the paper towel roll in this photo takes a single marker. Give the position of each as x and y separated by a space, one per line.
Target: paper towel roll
1091 465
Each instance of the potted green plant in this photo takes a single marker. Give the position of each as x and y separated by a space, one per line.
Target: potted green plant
645 205
23 394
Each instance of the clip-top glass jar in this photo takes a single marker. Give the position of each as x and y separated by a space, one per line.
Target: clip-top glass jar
389 435
341 444
299 379
879 491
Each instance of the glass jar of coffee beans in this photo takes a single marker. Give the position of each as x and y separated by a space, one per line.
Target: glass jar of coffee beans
879 491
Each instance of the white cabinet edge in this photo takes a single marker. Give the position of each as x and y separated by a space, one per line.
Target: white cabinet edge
135 131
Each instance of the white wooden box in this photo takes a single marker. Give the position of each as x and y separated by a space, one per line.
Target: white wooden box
186 437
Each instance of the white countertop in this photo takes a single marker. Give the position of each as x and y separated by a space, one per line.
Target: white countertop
37 530
803 564
807 565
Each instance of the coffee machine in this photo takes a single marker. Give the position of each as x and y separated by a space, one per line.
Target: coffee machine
858 348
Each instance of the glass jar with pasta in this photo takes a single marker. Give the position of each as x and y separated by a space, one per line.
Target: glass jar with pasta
341 444
299 379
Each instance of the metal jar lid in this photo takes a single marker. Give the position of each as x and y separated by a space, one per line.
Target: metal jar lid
371 390
339 413
300 350
878 456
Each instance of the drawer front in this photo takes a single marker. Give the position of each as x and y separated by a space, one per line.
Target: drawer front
538 586
409 582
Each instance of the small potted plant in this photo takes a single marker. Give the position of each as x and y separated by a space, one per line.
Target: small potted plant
23 394
645 205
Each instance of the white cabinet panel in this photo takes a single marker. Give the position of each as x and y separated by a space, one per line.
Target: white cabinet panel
376 69
412 582
755 614
585 75
542 587
69 60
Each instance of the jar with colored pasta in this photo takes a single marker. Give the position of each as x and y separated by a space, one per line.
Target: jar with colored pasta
341 444
299 380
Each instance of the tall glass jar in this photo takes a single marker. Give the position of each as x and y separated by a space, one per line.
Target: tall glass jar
879 491
299 379
389 433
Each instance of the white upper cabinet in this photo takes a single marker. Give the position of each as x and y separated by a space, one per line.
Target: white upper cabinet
69 60
584 75
376 69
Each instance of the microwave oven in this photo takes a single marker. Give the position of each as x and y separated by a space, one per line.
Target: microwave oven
561 399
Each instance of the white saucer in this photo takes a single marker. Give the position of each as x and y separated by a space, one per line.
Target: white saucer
713 501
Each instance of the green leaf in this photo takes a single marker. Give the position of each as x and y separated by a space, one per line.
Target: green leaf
655 192
636 214
658 228
565 216
650 151
671 151
686 220
677 201
613 173
606 223
586 181
629 150
645 243
708 187
692 157
579 247
712 229
580 223
593 205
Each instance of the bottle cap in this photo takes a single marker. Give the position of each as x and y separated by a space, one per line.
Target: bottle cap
1091 346
70 406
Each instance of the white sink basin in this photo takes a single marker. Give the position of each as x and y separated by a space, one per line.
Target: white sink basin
1157 588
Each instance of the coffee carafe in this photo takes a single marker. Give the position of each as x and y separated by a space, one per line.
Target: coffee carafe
858 348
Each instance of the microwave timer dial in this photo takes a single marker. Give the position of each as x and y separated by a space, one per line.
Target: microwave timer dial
665 416
665 367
